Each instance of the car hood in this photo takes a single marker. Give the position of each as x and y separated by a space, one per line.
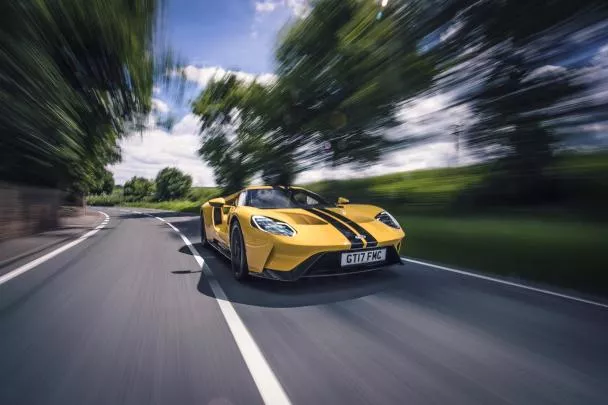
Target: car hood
358 213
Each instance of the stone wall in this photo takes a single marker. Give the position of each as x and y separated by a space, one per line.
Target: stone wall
27 210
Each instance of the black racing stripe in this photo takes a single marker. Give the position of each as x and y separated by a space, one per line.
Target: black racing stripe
371 241
350 235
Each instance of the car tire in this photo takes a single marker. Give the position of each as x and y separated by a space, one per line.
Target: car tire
238 256
204 241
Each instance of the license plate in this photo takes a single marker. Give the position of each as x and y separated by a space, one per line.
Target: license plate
366 256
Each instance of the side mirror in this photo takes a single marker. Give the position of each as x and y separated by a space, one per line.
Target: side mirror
217 202
342 200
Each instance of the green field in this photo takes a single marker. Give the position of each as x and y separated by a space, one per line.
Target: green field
176 205
564 244
566 253
196 197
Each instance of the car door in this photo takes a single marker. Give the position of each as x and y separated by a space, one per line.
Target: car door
221 216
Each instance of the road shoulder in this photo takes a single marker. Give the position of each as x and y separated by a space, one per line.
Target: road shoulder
14 252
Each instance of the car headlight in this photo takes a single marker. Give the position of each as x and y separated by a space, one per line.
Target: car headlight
388 219
272 226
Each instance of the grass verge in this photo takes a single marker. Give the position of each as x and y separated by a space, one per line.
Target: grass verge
175 205
564 253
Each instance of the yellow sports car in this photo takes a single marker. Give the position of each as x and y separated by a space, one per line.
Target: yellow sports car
285 233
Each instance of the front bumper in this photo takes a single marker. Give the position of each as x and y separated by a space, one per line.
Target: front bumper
328 264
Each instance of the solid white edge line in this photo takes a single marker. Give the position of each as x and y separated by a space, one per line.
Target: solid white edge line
268 385
509 283
28 266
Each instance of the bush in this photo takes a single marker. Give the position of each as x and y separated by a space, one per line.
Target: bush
104 200
138 189
172 184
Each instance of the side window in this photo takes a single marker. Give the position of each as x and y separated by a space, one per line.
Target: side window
217 215
304 198
242 199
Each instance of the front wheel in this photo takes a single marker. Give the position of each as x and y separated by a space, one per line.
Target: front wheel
238 257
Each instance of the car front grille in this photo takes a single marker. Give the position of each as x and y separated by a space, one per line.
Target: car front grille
329 264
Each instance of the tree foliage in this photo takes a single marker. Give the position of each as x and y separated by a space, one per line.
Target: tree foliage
104 183
235 124
138 189
342 72
172 183
510 61
75 77
345 69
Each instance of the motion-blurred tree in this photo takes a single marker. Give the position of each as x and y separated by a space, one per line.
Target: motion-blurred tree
512 62
104 184
232 126
138 189
75 77
342 73
172 183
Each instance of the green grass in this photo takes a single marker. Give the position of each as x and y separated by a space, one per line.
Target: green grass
436 187
560 252
176 205
583 179
191 203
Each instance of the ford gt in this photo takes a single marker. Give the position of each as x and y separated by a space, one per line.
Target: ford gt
286 233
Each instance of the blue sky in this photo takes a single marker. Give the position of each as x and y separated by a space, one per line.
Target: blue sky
210 37
240 35
213 37
233 34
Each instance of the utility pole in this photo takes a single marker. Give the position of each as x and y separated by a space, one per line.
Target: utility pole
456 131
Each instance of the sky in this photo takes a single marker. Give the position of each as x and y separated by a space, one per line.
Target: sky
240 36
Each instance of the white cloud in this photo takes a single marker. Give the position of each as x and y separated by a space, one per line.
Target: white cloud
299 8
203 75
597 72
545 72
146 154
265 6
427 156
160 106
431 117
430 120
189 124
451 31
426 116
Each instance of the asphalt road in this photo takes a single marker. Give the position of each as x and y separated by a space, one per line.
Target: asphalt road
128 317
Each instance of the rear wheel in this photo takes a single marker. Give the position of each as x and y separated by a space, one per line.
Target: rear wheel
204 241
238 257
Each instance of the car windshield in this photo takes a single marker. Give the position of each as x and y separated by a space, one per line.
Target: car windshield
284 198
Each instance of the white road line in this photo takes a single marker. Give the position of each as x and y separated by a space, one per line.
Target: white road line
270 388
28 266
509 283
